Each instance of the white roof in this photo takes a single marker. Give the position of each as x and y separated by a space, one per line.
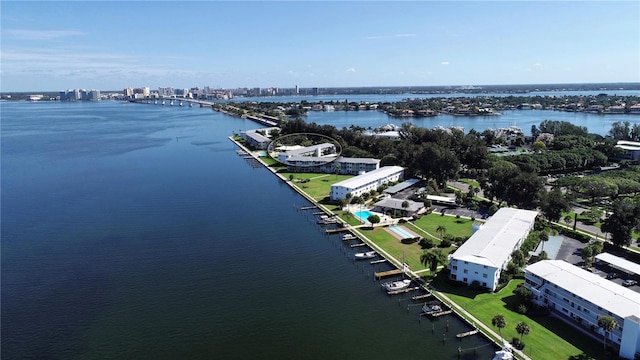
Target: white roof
360 180
257 136
309 149
397 204
441 199
494 242
620 263
599 291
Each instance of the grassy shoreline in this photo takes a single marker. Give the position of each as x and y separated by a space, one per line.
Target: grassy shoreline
481 306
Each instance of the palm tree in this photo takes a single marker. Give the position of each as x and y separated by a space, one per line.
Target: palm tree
522 328
432 258
441 230
607 323
499 322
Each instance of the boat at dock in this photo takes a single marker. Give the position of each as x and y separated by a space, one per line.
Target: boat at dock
365 255
506 353
346 237
396 285
429 309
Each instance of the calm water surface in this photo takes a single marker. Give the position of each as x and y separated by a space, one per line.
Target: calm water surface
135 231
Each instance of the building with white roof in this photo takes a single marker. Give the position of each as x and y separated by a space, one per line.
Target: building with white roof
393 205
580 297
258 138
358 185
631 148
487 252
619 263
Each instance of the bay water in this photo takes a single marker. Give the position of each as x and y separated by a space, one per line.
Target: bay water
135 231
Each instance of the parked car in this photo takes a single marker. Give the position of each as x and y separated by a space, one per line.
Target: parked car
629 282
612 275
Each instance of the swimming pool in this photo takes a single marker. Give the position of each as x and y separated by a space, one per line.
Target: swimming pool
363 215
401 231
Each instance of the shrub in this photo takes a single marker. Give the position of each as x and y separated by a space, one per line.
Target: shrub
426 243
522 309
409 240
517 343
445 243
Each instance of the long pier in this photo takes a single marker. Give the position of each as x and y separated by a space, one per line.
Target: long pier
383 274
337 230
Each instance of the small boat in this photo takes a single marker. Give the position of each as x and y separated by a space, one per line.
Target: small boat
431 308
348 237
365 255
396 285
504 354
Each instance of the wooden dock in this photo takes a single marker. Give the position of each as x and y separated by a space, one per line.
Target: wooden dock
441 313
308 207
468 333
403 291
337 230
358 245
420 297
383 274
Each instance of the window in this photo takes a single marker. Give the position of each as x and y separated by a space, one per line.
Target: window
455 267
484 276
466 271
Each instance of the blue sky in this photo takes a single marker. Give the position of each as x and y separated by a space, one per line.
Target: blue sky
110 45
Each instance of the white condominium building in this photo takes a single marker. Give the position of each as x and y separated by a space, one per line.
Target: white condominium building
486 254
581 296
372 180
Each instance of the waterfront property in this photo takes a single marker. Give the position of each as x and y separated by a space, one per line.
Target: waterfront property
341 165
486 254
401 207
580 297
258 138
366 182
631 148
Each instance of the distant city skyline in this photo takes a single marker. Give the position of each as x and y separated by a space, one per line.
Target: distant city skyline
53 46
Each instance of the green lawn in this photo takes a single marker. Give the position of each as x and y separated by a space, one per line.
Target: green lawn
318 186
470 182
453 226
411 252
545 330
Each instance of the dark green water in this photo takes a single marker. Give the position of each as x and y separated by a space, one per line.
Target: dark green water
136 232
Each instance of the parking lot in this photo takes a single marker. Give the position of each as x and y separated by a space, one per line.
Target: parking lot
570 251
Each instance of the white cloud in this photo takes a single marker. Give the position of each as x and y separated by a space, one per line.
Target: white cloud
40 34
351 70
444 63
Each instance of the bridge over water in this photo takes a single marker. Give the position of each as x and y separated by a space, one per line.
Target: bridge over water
225 108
